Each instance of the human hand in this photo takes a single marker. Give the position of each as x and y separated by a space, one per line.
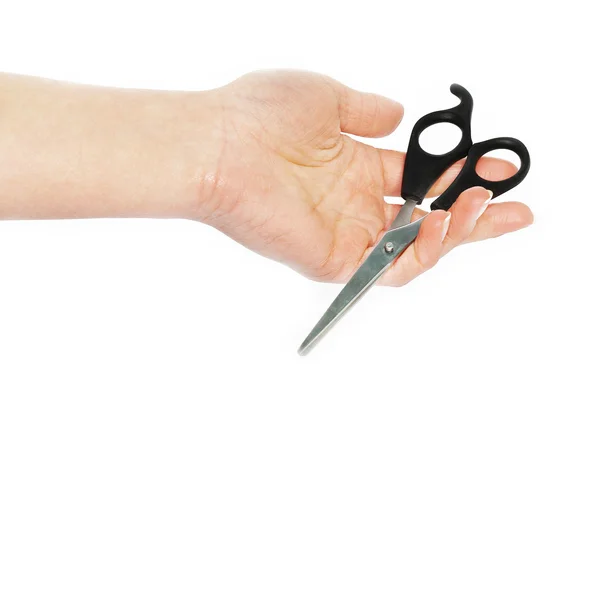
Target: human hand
264 159
290 185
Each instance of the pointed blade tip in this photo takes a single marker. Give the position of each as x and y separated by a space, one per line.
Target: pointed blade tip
305 347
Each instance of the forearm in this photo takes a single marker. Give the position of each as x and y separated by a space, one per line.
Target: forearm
70 150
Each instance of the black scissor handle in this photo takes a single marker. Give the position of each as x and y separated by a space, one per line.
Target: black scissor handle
422 168
468 177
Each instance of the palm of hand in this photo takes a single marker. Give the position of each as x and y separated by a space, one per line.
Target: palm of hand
304 193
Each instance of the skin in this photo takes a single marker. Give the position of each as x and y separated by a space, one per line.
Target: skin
265 159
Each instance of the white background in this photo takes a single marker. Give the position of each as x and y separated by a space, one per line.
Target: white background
159 435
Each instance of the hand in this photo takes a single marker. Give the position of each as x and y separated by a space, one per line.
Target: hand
290 185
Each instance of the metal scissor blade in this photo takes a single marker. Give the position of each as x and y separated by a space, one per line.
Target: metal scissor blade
404 216
392 244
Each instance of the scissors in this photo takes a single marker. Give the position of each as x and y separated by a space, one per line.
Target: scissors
421 170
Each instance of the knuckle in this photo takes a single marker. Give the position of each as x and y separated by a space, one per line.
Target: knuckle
425 258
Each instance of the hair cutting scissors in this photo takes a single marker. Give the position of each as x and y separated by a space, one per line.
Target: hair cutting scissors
421 170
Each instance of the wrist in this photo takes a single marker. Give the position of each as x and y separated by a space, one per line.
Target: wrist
175 144
184 166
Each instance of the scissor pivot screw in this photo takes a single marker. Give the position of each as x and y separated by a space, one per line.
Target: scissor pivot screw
389 247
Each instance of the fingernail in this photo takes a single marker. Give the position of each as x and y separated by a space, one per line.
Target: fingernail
445 226
485 204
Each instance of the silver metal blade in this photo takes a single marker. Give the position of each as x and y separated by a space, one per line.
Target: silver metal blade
404 216
392 244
